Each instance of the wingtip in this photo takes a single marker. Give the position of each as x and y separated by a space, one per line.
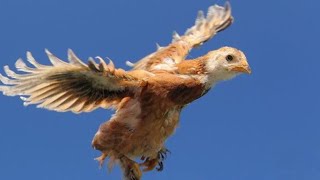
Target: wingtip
200 15
227 4
130 64
100 59
102 65
93 65
23 98
47 51
28 53
6 68
70 52
5 80
176 36
20 65
110 62
158 46
111 65
9 72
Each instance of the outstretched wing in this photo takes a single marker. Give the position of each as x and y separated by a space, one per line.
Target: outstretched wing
218 18
72 86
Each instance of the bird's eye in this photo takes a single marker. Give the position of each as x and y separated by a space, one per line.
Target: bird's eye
229 57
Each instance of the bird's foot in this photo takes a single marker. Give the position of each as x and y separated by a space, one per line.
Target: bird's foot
162 155
150 164
130 168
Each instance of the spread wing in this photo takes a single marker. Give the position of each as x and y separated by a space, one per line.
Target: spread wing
218 18
72 86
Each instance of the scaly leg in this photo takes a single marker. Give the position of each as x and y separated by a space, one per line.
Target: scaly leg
130 168
149 164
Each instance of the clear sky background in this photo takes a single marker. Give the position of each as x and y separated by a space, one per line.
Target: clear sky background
265 126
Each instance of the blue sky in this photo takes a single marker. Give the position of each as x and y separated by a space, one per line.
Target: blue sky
264 126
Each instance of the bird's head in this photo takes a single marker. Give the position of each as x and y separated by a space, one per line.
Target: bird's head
225 63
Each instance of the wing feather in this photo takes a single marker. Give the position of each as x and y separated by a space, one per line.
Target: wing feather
217 19
72 86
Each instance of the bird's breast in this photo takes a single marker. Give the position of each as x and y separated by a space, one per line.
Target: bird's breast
154 129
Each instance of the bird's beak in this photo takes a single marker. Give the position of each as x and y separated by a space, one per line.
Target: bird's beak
242 68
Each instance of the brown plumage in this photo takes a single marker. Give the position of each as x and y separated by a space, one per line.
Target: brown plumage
147 99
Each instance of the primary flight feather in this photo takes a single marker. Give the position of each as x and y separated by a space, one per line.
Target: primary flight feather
147 99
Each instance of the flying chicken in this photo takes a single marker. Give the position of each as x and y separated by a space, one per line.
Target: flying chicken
147 99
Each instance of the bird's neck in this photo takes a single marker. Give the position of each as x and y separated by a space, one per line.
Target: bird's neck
191 67
198 68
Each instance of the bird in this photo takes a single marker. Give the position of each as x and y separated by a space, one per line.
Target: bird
147 99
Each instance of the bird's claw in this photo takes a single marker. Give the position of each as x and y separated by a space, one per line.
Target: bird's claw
160 168
150 164
163 154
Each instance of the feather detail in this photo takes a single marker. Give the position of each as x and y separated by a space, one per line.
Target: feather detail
71 86
176 36
111 66
21 66
6 80
31 59
206 26
218 18
73 59
93 65
55 60
158 46
130 64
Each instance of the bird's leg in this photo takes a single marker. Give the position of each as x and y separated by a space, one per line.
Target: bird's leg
101 158
151 163
130 168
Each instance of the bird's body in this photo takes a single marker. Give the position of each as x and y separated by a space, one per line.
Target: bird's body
147 99
143 123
